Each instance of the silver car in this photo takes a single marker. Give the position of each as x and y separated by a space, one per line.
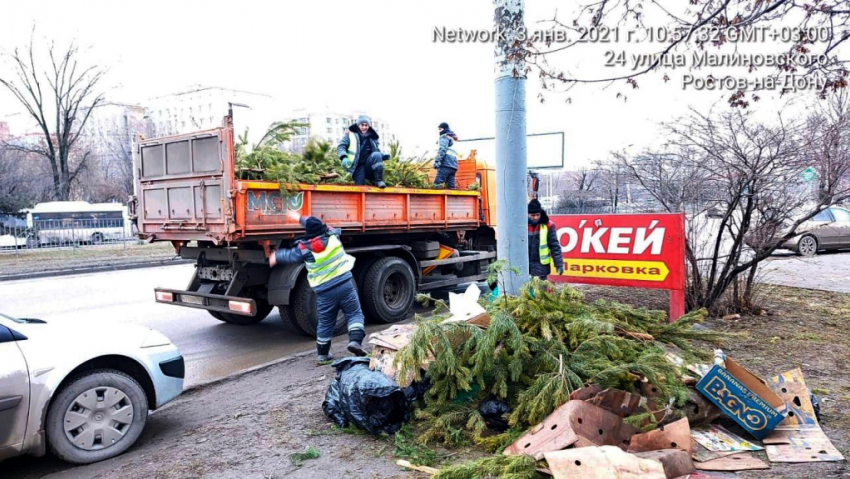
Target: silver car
828 230
83 392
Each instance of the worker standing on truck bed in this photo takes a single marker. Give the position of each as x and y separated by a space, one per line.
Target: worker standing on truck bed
446 161
543 244
329 274
360 154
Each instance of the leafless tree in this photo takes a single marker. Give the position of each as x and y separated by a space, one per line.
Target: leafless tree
739 183
695 25
110 172
22 181
581 192
60 98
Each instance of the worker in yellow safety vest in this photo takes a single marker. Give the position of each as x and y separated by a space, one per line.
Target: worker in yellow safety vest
543 245
329 274
359 153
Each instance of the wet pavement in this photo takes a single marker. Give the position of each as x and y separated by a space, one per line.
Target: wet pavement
212 349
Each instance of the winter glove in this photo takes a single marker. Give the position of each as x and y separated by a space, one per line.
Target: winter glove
437 164
561 270
346 163
385 157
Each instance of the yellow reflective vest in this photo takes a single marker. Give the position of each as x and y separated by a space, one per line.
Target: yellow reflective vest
330 263
544 244
352 147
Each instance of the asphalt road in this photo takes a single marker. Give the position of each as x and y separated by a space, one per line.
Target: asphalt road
212 349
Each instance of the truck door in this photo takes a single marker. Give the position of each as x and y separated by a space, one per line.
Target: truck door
14 395
182 185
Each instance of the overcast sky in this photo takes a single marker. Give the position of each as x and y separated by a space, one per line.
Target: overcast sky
375 55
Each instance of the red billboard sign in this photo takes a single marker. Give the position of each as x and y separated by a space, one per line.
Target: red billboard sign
635 250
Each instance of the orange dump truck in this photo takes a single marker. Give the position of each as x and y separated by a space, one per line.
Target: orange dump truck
405 240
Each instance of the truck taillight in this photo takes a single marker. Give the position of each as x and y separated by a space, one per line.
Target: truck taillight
164 297
240 307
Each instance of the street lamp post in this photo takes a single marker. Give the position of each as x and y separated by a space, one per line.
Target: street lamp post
511 169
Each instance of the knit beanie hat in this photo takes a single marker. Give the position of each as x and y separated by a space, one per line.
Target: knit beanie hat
314 227
534 207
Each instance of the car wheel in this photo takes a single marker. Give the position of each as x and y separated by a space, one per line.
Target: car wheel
96 416
97 239
807 246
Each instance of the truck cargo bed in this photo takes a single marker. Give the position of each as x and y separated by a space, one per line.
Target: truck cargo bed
187 190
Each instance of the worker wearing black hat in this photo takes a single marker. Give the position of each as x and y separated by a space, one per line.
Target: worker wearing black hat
446 161
543 244
329 274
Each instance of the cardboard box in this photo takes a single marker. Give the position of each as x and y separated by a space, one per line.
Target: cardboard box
744 397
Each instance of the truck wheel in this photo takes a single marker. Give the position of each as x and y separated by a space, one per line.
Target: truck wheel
303 302
287 317
263 310
388 290
361 266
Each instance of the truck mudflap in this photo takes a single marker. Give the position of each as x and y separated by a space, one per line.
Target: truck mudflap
210 302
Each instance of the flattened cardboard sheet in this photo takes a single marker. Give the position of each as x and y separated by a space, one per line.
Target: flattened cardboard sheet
798 438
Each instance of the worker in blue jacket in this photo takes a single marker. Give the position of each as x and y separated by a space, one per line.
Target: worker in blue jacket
329 274
360 154
543 244
446 161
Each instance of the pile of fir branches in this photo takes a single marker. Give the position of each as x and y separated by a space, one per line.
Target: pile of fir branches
318 164
539 347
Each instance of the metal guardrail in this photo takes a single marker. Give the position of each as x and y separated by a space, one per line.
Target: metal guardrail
66 233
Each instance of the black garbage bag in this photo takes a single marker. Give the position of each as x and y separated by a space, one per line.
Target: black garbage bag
417 389
368 399
493 411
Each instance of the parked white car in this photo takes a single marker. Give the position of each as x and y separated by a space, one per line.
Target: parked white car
85 393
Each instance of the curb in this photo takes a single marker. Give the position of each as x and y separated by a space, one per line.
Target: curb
236 375
197 388
93 269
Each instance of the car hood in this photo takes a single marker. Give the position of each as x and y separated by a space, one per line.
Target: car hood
56 348
91 336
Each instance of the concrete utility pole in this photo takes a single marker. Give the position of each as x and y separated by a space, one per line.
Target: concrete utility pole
511 170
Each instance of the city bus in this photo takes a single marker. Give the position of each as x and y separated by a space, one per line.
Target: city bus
75 222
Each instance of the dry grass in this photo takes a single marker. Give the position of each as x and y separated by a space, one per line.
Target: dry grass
70 258
801 328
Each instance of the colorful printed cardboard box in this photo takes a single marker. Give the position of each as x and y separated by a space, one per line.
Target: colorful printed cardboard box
744 397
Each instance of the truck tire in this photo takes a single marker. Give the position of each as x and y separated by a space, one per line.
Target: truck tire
388 290
287 317
361 266
263 310
305 312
